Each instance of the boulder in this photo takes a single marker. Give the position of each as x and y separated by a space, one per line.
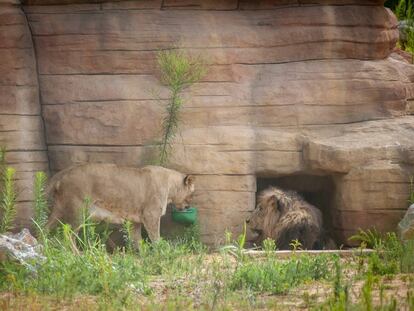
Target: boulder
21 247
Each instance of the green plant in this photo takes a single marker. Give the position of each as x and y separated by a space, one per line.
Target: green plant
269 246
296 245
280 276
88 237
371 238
41 209
8 200
178 72
407 258
367 292
236 248
404 10
127 228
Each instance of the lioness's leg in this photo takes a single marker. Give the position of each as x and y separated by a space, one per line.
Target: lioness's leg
152 225
136 234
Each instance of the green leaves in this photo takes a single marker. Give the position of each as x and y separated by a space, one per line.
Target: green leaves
41 209
8 200
178 72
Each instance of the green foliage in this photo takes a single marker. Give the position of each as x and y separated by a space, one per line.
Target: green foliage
178 72
41 209
127 228
296 245
8 200
392 4
88 237
236 248
279 276
191 237
370 238
65 274
340 291
407 257
404 10
166 257
269 246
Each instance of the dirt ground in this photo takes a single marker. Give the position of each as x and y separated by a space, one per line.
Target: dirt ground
305 297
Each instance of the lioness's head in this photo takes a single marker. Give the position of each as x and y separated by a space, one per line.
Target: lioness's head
184 193
272 204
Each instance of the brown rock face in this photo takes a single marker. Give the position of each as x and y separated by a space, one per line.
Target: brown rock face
21 127
297 95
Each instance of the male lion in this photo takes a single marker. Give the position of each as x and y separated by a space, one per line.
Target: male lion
117 194
285 216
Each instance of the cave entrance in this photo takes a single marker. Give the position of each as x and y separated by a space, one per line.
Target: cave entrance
315 189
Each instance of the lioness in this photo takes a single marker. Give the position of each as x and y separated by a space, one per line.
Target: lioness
285 216
117 194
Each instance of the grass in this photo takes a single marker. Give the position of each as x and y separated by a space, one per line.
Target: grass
181 274
278 277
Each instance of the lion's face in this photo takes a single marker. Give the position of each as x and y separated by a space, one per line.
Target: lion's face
184 194
270 208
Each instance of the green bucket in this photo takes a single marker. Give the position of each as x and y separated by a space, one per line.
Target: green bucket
187 216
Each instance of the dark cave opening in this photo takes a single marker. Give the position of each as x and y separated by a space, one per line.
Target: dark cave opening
318 190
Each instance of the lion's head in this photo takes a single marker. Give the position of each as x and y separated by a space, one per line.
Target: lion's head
184 193
272 204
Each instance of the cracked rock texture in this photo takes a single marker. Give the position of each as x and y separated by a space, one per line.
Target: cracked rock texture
306 88
21 126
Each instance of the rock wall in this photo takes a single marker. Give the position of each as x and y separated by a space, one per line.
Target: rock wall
294 88
21 126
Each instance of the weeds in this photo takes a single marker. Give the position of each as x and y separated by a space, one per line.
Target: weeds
411 193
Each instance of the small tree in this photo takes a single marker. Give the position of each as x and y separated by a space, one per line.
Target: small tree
178 72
